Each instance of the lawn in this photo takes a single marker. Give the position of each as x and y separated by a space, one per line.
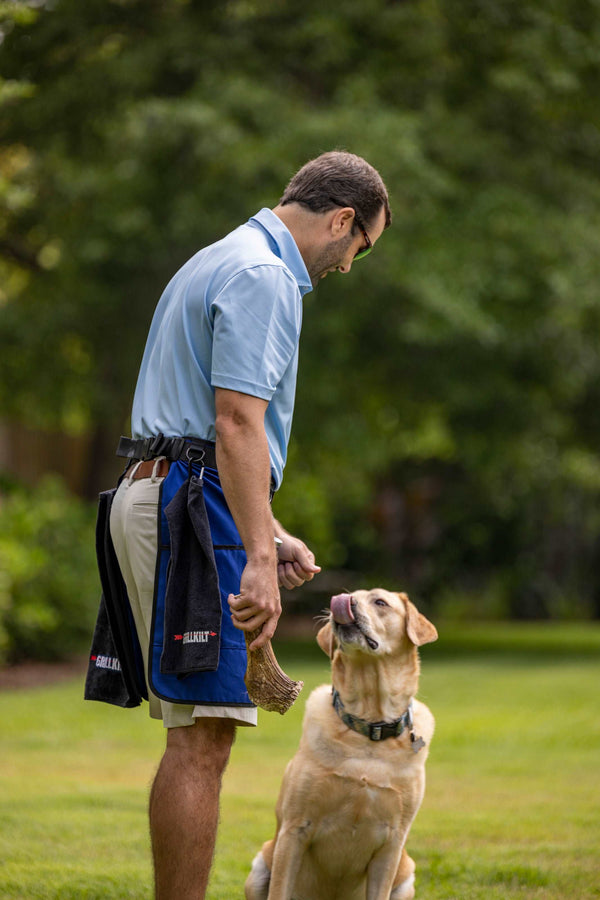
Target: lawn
511 808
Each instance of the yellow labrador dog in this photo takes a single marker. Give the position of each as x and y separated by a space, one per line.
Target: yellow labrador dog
351 792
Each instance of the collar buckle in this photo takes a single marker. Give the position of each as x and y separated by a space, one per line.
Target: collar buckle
376 730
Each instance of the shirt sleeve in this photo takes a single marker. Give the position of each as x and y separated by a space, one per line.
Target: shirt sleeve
257 320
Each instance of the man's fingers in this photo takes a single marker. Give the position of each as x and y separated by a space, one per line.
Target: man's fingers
307 574
267 626
305 558
244 615
248 618
235 601
267 632
288 576
243 607
293 575
240 608
250 624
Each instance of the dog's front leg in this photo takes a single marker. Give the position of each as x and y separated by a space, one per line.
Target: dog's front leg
292 841
381 871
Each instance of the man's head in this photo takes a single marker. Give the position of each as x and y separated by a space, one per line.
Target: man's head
336 206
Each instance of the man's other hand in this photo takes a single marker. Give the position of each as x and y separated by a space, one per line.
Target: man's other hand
295 562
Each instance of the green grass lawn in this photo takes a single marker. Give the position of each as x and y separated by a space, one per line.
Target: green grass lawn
512 808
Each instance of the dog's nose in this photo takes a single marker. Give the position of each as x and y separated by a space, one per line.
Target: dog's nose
341 608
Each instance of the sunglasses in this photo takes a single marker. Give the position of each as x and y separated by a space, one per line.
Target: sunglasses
360 254
366 250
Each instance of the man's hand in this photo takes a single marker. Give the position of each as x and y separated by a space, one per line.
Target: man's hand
258 602
295 562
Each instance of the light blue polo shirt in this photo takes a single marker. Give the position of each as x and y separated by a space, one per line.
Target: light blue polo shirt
230 318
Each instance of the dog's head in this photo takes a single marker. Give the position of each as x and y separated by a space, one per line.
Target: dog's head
376 622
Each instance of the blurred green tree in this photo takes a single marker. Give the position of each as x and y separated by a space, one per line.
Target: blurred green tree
447 425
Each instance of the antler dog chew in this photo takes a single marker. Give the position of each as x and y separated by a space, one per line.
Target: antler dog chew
267 684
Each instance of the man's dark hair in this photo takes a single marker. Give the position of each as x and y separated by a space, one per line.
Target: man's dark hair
338 178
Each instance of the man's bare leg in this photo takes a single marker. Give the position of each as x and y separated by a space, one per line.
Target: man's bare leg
184 807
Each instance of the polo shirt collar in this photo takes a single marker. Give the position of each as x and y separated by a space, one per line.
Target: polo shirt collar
285 246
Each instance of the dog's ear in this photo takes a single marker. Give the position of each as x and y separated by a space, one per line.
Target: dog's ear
419 629
325 639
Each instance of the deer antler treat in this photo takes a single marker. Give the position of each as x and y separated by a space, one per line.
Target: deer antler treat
267 684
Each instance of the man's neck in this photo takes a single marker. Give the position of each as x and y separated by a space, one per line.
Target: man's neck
302 224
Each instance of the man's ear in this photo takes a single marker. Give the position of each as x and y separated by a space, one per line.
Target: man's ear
419 629
326 640
342 221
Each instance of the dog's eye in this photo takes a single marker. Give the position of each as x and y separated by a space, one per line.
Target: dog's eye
380 602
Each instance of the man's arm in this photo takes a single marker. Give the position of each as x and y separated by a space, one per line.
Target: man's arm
245 474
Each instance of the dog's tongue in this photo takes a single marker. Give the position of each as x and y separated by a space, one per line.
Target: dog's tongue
341 609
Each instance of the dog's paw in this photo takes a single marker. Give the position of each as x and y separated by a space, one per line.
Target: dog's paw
404 891
257 883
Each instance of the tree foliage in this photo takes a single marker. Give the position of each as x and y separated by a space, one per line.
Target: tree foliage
48 578
448 417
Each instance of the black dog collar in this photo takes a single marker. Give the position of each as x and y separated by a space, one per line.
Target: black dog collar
378 731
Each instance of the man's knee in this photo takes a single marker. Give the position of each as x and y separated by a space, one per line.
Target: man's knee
205 745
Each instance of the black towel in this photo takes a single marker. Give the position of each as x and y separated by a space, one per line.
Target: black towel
192 627
105 680
116 670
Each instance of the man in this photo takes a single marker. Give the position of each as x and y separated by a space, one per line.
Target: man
220 366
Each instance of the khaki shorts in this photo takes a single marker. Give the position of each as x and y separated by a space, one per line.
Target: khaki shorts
134 531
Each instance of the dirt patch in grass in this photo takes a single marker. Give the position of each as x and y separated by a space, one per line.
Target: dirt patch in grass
39 674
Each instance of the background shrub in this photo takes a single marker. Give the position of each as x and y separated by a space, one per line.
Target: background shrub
49 586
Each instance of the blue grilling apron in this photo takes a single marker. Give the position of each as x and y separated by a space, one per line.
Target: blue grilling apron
225 685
